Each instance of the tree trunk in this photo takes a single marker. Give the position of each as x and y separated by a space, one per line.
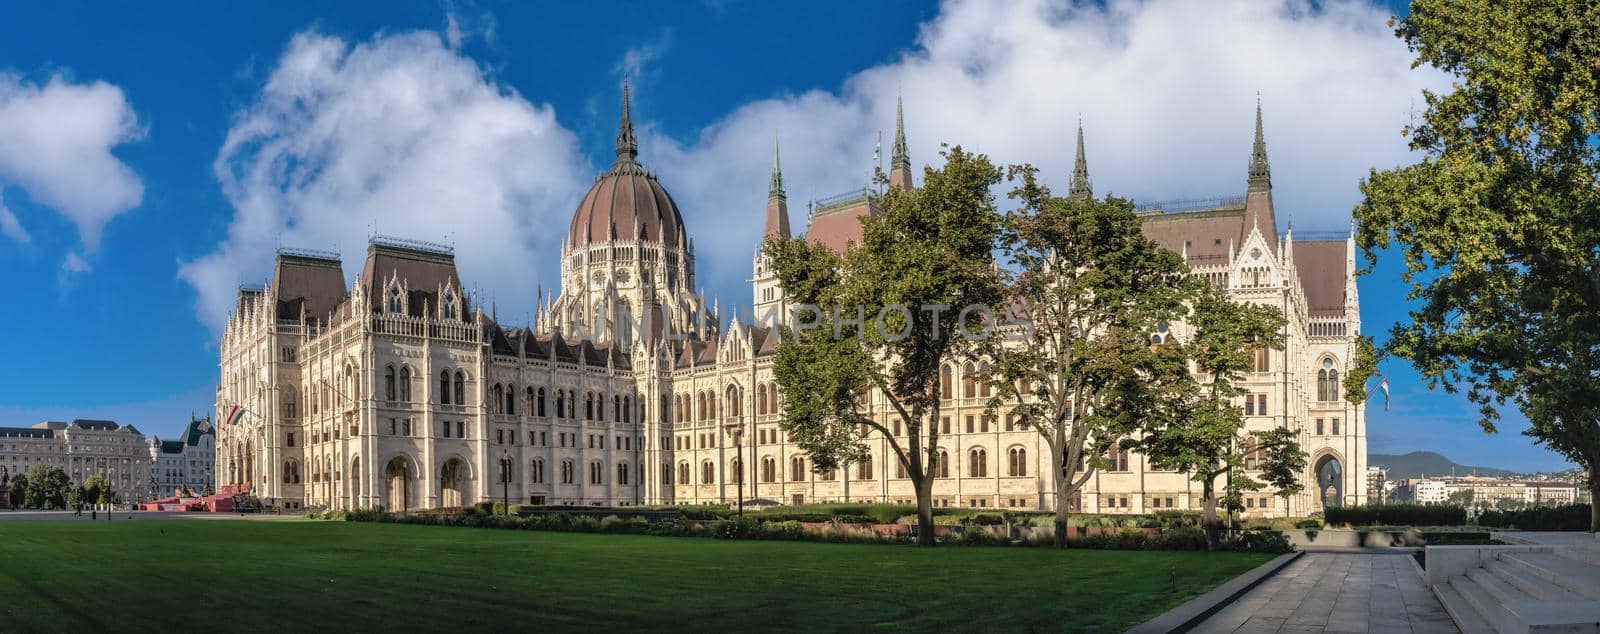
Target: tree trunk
1594 498
925 510
1208 502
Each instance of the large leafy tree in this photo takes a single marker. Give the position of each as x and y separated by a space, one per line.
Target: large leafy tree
19 490
48 488
922 259
1205 436
1499 222
1082 371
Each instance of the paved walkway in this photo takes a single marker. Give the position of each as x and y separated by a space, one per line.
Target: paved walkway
1337 592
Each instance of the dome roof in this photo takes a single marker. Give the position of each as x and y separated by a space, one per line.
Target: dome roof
627 201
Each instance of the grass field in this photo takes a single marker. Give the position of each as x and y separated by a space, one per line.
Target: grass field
299 575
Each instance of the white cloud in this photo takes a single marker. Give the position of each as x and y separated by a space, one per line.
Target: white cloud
400 133
1166 91
55 144
74 263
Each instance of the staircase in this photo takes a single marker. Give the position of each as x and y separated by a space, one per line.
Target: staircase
1519 588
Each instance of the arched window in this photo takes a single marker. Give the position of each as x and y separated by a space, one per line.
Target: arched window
773 401
761 399
977 463
461 388
538 402
969 387
622 473
405 384
864 468
388 382
1119 458
1017 462
708 472
984 389
572 397
393 302
561 404
532 406
511 400
536 470
737 468
616 408
769 469
797 469
732 397
945 381
497 397
683 472
444 388
566 472
1328 381
588 405
942 468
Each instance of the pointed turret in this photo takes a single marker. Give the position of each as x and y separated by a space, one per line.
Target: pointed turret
1260 170
900 161
777 200
1258 208
627 146
1080 172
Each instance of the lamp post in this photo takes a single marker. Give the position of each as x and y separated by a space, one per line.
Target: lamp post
505 480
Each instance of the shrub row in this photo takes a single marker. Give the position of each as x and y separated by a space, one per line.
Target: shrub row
1396 515
1180 538
1568 517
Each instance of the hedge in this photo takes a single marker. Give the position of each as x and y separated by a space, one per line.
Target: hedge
1567 517
1396 515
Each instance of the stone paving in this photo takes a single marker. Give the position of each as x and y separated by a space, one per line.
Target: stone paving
1337 592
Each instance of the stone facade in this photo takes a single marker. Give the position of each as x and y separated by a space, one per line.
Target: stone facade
401 391
187 462
83 449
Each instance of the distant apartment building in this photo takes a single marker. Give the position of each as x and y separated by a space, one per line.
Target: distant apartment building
82 449
1488 492
187 462
1377 485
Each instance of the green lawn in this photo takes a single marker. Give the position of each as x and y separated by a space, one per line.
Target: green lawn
299 575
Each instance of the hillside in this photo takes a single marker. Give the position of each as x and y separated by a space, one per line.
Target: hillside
1419 463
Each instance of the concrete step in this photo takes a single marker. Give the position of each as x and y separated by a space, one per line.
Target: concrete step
1530 585
1466 617
1498 588
1579 578
1584 553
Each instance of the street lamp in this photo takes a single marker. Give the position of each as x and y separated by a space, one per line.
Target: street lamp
505 480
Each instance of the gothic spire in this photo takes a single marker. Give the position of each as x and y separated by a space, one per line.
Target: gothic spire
1260 170
775 187
627 146
900 161
1080 171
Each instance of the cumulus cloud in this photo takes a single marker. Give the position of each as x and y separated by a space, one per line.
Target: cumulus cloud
1166 91
55 144
401 135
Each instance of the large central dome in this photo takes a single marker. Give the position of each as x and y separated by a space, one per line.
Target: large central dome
626 202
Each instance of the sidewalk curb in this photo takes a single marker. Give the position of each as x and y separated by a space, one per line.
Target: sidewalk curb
1198 609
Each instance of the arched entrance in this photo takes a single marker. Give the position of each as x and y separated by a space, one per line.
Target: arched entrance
1330 481
398 479
453 483
355 495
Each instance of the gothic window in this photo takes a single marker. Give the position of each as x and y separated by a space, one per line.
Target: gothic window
497 395
588 405
941 467
1119 458
1262 361
737 468
944 381
707 472
769 469
969 387
1017 462
444 388
511 400
535 406
388 383
797 469
683 473
561 402
622 473
461 388
394 303
566 472
864 468
405 384
977 463
536 471
449 304
1328 381
984 390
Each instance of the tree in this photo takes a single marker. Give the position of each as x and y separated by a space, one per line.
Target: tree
48 488
1499 222
1082 372
97 490
879 326
19 490
1205 436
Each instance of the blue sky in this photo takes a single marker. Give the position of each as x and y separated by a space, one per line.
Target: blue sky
199 137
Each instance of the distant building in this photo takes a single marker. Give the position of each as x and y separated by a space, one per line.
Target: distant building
187 462
1377 485
1431 491
82 448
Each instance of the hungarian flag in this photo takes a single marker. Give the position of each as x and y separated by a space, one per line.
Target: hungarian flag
1384 385
234 414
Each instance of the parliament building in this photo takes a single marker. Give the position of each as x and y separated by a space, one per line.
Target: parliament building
400 390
